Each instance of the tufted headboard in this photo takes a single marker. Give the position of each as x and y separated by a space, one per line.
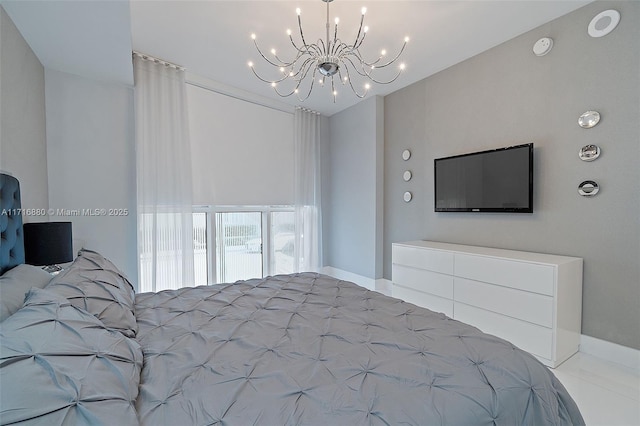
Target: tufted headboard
11 238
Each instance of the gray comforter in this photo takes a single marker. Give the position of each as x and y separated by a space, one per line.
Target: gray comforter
296 349
311 349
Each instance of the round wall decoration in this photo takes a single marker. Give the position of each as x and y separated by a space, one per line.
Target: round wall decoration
603 23
588 188
543 46
589 119
589 152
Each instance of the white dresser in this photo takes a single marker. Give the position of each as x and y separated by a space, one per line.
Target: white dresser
533 300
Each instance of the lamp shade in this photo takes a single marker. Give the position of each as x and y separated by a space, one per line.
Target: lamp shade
48 243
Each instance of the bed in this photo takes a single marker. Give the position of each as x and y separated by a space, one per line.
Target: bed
298 349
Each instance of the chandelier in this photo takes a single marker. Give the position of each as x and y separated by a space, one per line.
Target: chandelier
326 61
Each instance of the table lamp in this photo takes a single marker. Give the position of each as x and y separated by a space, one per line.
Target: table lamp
47 244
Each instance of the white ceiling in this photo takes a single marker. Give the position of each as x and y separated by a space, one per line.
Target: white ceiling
94 38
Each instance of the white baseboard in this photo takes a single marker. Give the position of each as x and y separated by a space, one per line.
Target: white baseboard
609 351
368 283
381 284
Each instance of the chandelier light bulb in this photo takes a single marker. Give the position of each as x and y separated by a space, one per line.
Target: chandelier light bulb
328 61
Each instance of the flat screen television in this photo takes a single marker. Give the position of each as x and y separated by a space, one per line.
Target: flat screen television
499 180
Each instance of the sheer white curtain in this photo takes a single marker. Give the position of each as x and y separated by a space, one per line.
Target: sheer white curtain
308 218
163 161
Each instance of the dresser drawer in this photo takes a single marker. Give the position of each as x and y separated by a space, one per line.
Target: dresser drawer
425 300
508 273
529 337
432 260
530 307
422 280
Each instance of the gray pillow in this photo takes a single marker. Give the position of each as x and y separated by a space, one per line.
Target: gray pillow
60 365
14 285
96 285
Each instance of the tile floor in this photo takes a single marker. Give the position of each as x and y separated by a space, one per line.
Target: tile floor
607 394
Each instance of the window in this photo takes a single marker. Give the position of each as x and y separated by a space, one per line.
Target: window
237 243
283 240
200 262
238 246
157 238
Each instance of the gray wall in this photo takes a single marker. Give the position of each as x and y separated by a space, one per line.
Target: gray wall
352 206
23 145
91 155
508 96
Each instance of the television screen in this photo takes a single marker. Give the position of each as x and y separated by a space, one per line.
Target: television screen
499 180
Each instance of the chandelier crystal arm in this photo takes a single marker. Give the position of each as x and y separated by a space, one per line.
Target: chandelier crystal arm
280 63
380 58
337 45
333 91
348 60
301 50
313 80
265 80
304 43
341 49
310 49
323 48
364 73
359 30
303 70
285 64
348 79
357 46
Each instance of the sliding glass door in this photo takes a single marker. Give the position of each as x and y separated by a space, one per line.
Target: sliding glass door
238 246
242 242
